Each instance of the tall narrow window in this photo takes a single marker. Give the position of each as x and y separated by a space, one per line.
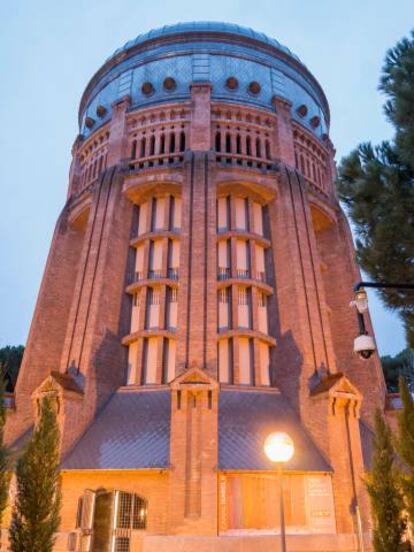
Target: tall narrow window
246 360
159 213
228 143
268 152
135 311
258 147
238 144
257 218
218 141
134 149
224 308
139 263
225 360
244 304
182 141
171 308
152 318
248 146
241 207
168 360
223 214
149 360
262 312
172 142
143 218
173 259
264 363
243 259
143 146
260 263
132 363
162 144
152 145
155 260
224 262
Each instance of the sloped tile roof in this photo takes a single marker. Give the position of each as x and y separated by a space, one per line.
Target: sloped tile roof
132 432
245 420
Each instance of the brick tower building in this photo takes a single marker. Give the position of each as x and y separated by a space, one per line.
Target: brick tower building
195 299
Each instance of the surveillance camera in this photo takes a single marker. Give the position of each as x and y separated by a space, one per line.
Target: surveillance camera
364 346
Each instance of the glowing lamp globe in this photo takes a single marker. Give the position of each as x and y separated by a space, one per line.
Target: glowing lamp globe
279 447
361 300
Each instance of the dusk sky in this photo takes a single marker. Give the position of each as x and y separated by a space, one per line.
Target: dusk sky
49 50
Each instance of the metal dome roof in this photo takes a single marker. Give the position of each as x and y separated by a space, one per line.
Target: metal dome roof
205 27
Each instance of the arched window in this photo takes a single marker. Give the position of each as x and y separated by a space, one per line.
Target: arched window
268 153
228 143
143 146
134 149
248 145
258 147
172 142
238 144
152 145
182 141
162 144
218 141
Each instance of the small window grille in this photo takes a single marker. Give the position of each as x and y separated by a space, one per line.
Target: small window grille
223 296
173 295
121 544
124 510
242 296
153 296
132 512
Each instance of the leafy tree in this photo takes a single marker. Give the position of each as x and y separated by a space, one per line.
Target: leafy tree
35 516
10 360
383 488
405 445
376 184
4 457
401 364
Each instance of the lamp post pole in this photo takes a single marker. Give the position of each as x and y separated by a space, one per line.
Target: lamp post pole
279 448
282 508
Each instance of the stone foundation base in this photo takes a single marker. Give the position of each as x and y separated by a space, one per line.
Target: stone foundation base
250 543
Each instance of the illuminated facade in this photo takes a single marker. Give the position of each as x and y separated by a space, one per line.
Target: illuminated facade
195 299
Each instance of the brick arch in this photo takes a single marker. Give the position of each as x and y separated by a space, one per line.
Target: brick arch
321 219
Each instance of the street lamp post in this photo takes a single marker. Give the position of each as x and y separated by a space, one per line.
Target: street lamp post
279 448
364 344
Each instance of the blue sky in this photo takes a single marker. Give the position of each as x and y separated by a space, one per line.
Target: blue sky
50 49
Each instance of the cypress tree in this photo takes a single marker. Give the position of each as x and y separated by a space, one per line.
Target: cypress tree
405 445
383 488
4 455
35 516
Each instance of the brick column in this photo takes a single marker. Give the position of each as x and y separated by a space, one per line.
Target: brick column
200 132
284 131
336 406
118 136
193 454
